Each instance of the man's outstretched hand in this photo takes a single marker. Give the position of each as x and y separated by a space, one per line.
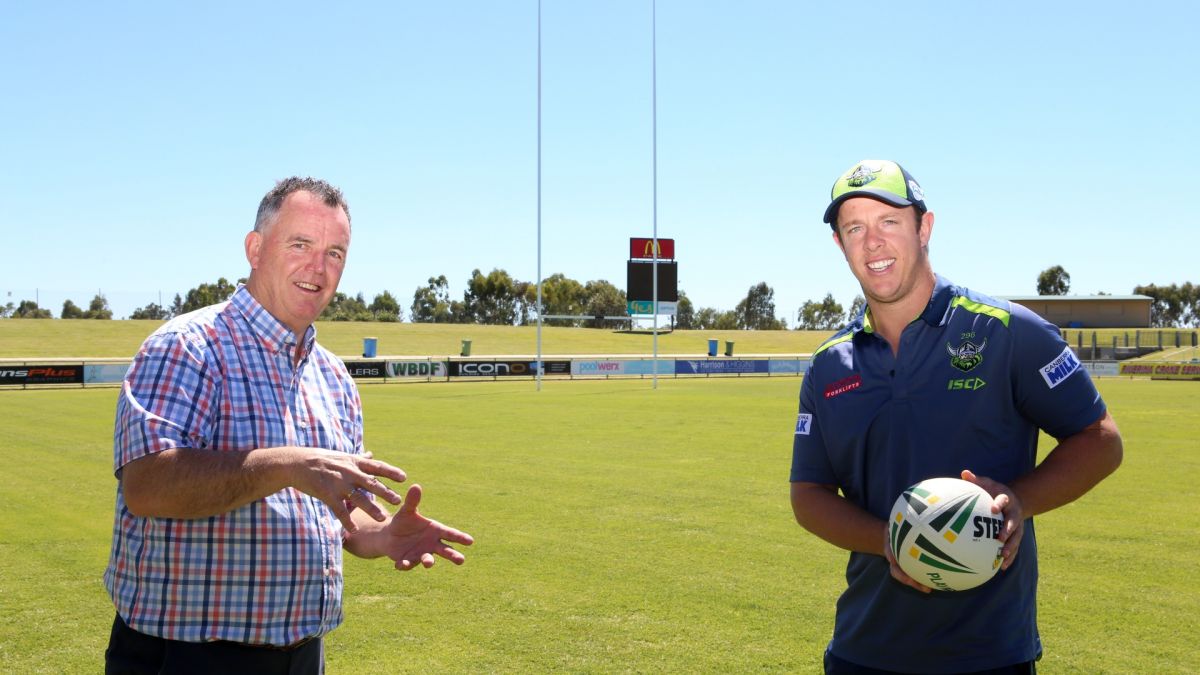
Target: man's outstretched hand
409 538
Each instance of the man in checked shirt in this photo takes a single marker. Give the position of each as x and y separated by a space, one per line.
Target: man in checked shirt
238 449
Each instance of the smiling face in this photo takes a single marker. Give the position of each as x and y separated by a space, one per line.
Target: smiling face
886 248
296 261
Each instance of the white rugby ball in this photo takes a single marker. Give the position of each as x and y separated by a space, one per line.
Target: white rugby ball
944 534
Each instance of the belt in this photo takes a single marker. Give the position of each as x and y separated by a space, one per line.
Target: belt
275 648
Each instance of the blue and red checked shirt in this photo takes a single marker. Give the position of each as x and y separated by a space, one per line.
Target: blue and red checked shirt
270 572
974 381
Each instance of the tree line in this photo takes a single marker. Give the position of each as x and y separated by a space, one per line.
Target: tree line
499 299
494 298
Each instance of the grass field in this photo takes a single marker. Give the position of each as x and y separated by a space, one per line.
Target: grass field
618 528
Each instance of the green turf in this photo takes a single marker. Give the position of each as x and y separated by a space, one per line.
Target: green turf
30 338
618 528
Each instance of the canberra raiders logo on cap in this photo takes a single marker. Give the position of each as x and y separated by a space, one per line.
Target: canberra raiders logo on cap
861 175
967 356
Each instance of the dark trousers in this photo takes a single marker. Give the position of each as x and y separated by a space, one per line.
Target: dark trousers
836 666
133 653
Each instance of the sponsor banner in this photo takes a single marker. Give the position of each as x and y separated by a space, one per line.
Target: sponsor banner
599 368
787 367
642 248
555 367
1163 371
1103 368
507 368
42 374
688 367
366 369
647 307
105 373
590 368
417 369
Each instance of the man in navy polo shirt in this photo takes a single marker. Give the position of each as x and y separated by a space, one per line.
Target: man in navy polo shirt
934 380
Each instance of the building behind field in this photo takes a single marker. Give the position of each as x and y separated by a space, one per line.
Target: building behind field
1089 311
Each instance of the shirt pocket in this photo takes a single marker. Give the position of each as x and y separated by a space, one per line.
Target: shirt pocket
336 431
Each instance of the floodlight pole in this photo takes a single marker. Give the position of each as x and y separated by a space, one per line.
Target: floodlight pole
654 170
539 197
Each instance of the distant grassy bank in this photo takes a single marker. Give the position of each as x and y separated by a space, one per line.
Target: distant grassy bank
56 338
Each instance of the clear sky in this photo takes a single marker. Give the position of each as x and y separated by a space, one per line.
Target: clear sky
137 138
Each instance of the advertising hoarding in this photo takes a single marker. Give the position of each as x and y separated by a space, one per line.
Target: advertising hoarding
719 367
1163 371
507 368
41 374
787 366
105 373
418 369
642 248
360 370
609 367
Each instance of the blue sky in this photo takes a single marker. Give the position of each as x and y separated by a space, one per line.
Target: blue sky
138 138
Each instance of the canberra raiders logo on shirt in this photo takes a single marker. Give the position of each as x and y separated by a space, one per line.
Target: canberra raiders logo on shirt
967 356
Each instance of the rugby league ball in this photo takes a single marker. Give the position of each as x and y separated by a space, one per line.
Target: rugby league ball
944 534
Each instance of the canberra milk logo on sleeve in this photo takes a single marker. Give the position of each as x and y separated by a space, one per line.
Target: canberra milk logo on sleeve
803 424
1060 368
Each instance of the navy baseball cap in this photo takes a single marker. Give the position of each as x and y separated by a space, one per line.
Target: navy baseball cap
878 179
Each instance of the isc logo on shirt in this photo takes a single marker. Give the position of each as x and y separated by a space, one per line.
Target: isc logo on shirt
803 424
1060 368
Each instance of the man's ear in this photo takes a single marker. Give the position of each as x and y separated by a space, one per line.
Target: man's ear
253 248
925 230
838 240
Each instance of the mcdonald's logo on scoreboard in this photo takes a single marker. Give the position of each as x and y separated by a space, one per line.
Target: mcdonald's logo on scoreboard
643 248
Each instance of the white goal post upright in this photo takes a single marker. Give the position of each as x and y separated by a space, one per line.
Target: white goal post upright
654 193
539 197
654 168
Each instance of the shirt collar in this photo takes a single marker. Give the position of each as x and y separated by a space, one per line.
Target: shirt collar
271 331
938 309
934 314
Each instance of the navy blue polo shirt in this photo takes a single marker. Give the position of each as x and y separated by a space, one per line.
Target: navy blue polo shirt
973 382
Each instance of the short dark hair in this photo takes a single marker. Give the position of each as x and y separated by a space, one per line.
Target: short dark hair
269 207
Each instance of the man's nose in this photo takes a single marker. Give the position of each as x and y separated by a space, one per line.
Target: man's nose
873 240
316 261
